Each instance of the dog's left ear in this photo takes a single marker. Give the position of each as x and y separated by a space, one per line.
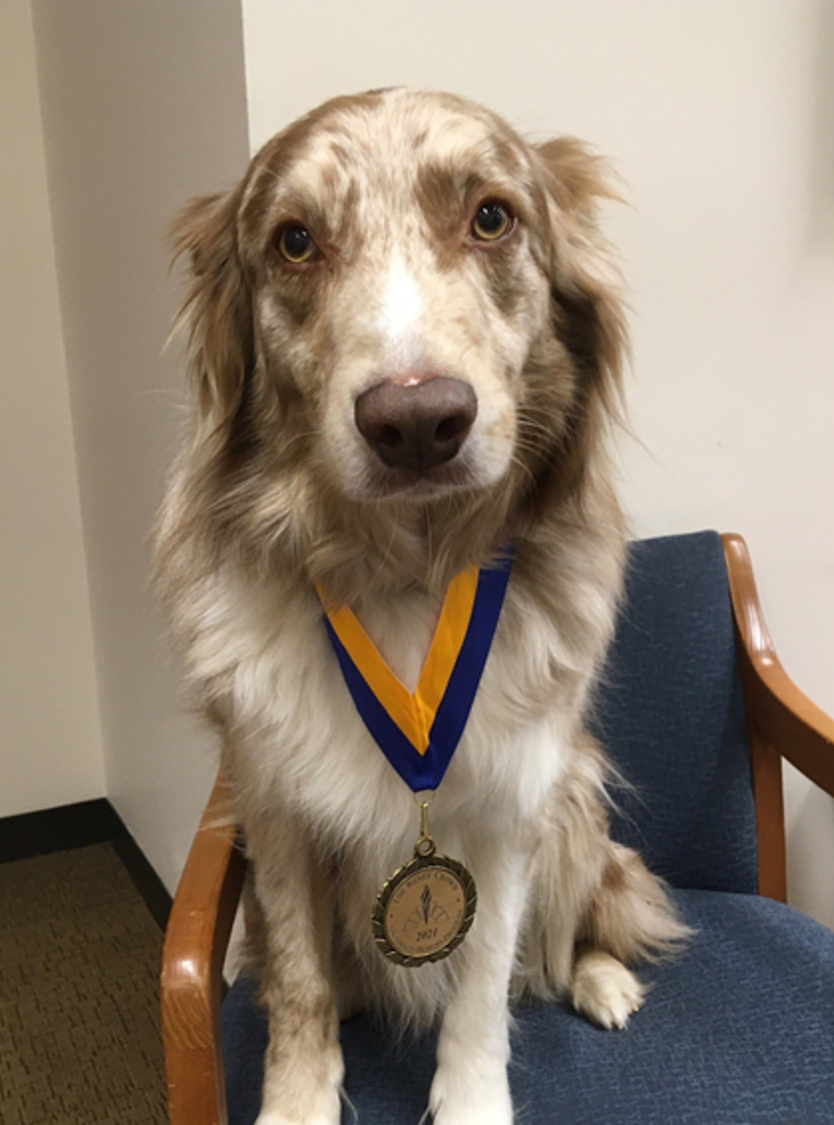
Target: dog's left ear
584 281
586 301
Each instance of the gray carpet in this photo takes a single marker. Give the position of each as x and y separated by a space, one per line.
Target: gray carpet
79 980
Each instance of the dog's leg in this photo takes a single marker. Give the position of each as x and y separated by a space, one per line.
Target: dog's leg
597 908
629 919
303 1067
470 1086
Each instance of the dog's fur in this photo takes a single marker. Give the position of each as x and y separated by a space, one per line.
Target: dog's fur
277 489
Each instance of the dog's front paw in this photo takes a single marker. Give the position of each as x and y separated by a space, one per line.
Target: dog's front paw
274 1117
306 1091
605 991
476 1099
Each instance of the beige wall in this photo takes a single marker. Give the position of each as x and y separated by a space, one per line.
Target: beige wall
143 106
50 743
719 115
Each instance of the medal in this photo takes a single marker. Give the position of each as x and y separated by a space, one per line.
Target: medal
426 908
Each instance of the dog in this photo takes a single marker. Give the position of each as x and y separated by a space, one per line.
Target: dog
406 342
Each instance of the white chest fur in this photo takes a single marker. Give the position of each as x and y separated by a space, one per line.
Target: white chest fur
299 739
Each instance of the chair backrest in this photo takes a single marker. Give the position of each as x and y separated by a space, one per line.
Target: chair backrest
671 717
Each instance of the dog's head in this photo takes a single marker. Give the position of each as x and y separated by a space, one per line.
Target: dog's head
404 299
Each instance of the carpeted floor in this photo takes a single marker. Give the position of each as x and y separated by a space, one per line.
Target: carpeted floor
79 972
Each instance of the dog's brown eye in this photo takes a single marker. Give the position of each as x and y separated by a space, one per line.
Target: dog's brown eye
492 221
295 244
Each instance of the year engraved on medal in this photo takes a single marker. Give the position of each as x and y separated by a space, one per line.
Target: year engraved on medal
425 909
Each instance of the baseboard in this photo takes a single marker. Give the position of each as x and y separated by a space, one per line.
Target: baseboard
58 829
78 826
149 885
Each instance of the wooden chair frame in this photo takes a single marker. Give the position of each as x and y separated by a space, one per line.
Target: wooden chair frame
782 722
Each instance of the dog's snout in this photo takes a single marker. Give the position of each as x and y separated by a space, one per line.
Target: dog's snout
420 426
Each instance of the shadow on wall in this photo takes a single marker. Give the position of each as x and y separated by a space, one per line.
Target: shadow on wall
821 203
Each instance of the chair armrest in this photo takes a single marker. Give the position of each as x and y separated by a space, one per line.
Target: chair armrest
785 717
196 941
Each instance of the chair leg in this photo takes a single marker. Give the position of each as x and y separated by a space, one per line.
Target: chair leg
766 764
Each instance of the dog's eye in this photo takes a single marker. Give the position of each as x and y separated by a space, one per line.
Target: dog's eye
492 221
295 244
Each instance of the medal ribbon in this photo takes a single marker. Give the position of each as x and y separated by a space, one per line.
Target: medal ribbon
418 733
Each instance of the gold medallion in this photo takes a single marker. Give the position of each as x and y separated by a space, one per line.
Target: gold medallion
425 909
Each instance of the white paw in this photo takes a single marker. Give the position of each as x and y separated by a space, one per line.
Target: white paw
327 1110
605 991
304 1091
456 1101
271 1117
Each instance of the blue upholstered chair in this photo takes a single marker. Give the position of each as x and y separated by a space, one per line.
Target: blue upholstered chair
696 711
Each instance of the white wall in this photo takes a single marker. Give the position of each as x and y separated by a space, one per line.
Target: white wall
50 743
720 118
143 106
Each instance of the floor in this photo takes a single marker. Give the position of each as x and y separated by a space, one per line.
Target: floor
79 972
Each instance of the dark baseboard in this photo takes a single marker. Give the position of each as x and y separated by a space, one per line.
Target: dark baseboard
149 885
58 829
78 826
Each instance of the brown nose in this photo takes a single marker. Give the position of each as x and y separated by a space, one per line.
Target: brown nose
417 427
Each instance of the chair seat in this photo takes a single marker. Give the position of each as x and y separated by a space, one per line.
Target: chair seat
738 1030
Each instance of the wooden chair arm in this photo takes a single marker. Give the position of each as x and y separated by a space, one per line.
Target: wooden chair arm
785 716
782 722
195 947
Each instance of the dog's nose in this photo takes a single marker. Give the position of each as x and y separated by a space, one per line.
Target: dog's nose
417 427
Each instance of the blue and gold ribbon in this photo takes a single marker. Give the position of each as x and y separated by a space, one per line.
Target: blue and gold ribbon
419 732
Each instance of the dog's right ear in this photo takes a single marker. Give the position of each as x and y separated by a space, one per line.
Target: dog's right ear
217 310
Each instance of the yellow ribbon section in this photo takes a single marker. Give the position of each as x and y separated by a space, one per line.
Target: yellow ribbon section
413 714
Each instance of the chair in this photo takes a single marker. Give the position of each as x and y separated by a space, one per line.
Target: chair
697 712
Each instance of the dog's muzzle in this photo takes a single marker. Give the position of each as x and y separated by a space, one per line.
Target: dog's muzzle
417 427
